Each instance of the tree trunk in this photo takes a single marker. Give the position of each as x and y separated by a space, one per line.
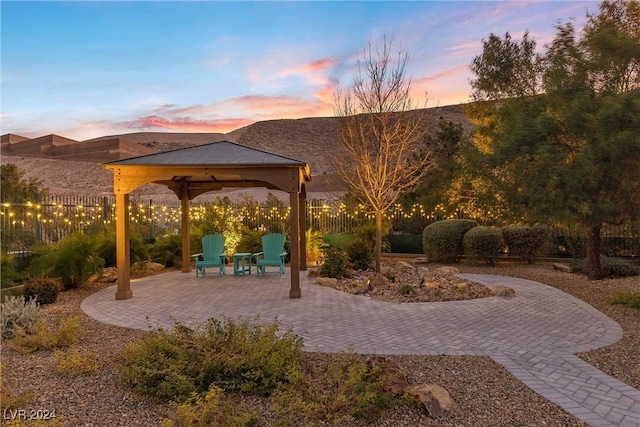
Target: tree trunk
378 248
594 269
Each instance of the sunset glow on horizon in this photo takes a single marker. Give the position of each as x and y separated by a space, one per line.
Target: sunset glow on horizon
87 69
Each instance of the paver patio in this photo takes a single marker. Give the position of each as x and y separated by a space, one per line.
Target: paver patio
534 335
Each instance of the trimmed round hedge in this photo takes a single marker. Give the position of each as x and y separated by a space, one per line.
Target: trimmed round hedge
526 241
442 241
484 244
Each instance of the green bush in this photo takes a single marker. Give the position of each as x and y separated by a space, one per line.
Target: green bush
8 272
234 356
629 298
367 231
338 240
483 244
611 267
74 260
442 241
106 248
43 289
167 250
335 264
406 289
360 253
18 313
526 241
335 390
251 241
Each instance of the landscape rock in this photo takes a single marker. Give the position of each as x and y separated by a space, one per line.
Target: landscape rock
447 271
433 398
109 274
562 267
502 291
328 282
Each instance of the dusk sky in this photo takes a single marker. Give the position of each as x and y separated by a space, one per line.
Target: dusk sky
89 69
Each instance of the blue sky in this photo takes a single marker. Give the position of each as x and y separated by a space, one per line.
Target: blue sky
89 69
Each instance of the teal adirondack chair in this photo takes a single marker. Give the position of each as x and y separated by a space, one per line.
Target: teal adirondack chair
272 255
213 254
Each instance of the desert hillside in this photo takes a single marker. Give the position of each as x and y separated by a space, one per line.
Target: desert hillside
314 140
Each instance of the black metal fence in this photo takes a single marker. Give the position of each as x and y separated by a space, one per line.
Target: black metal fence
54 217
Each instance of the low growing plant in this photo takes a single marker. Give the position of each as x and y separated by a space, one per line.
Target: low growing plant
16 313
43 289
338 390
406 289
76 361
628 298
611 267
42 337
9 399
214 409
235 356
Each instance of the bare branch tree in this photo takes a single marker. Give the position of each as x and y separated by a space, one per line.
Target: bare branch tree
381 132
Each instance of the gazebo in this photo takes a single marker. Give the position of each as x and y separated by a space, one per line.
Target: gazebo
192 171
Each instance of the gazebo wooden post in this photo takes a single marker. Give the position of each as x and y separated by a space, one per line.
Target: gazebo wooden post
303 227
123 245
294 233
186 244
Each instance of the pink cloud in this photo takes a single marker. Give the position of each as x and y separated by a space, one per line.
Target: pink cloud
310 67
186 124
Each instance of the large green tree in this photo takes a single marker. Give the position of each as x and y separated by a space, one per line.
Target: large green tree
558 132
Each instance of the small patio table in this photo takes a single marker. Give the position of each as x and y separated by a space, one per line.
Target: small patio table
241 264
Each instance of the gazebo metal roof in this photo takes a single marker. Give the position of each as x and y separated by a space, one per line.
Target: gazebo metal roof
192 171
216 153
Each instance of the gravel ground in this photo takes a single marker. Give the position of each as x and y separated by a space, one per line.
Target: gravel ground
485 393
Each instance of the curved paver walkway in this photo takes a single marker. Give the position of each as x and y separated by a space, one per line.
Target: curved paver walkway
534 335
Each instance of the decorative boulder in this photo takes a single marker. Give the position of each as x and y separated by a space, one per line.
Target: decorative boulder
433 398
502 291
328 282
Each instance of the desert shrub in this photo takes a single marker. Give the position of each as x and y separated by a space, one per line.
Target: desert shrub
73 260
483 243
628 298
360 253
43 289
11 399
41 337
442 241
335 264
18 313
338 389
251 241
235 356
214 409
611 267
167 250
106 248
526 241
406 289
76 361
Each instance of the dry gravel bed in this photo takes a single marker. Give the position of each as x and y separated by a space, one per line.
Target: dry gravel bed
486 394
